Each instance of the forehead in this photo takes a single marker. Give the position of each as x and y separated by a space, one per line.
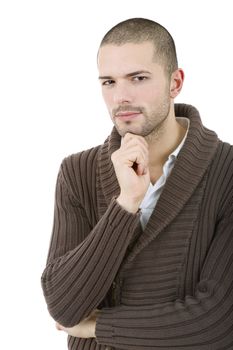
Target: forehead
114 59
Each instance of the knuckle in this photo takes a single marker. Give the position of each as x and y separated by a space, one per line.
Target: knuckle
114 155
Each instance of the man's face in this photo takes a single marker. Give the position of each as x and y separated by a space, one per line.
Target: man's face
134 87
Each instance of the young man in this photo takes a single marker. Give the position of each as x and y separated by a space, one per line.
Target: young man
141 255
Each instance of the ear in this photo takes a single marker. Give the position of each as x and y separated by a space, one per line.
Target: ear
177 80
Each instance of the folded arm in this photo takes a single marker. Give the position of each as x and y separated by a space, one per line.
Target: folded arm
83 261
201 321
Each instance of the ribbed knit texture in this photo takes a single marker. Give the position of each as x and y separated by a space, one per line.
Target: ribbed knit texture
169 287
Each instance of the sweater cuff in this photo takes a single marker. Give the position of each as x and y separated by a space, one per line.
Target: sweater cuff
117 206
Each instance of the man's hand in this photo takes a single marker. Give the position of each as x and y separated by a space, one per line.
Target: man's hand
131 167
85 329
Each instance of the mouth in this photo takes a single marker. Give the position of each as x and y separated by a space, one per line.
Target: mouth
127 115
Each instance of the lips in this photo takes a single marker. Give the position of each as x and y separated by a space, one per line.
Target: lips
127 115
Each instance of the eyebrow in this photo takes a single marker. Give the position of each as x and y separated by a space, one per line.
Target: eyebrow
127 75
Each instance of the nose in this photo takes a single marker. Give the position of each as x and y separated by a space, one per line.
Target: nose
122 94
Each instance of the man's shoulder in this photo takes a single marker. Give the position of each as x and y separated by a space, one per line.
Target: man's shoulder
83 161
222 174
223 158
87 155
225 150
78 172
221 171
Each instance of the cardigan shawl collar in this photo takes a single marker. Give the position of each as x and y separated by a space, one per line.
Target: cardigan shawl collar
191 164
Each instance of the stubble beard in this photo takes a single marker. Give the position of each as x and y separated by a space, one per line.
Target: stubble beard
155 132
154 122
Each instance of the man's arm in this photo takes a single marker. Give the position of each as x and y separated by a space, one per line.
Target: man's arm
203 320
200 321
83 261
131 168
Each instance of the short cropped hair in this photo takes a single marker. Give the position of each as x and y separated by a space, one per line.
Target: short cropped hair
138 30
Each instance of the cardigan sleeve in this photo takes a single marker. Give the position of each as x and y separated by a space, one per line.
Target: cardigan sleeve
200 321
82 260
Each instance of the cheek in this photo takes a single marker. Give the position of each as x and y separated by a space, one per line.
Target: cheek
156 94
149 97
148 92
107 98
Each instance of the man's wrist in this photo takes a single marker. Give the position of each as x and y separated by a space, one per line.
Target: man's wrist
128 205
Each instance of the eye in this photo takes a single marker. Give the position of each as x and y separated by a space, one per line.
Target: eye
139 78
108 82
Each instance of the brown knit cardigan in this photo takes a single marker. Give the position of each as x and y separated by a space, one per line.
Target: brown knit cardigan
167 287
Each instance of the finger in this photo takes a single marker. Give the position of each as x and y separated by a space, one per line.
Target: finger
136 158
134 141
140 169
134 138
134 146
131 154
59 327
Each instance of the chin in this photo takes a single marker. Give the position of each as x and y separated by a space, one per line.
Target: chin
123 131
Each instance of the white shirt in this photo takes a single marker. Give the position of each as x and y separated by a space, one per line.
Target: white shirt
154 191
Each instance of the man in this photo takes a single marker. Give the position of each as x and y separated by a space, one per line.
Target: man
141 255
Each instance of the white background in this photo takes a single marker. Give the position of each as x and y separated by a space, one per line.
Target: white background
51 106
